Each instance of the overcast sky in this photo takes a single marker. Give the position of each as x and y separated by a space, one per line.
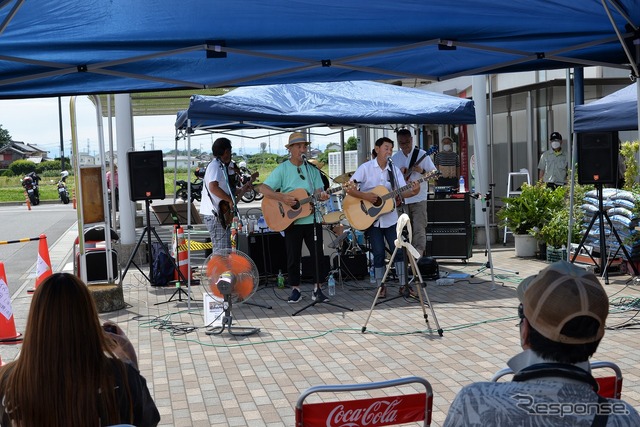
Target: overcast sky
35 121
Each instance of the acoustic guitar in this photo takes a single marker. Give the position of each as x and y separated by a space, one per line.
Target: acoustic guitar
279 215
362 213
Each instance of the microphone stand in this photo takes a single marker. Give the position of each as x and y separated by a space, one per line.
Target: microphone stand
320 298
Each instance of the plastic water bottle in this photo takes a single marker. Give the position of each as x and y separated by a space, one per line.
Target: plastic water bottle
372 275
280 280
262 225
461 186
332 285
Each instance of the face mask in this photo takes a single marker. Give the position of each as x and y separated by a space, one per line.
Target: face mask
555 145
446 147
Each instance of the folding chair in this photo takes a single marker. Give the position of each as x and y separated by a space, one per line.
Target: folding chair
371 411
609 386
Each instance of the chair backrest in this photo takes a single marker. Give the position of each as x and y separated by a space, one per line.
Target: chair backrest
610 386
370 411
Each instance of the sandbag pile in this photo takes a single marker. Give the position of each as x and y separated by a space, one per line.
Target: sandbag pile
619 206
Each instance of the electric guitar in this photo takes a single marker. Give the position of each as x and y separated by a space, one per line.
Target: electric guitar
225 212
279 215
362 213
409 171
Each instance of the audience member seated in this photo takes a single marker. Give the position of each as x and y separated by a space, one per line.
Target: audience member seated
68 372
563 310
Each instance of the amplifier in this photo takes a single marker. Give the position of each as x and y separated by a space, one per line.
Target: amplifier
352 265
449 241
267 250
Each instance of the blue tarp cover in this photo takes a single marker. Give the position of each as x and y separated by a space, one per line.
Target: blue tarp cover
74 47
618 111
338 103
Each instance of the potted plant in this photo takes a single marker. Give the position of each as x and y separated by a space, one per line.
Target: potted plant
526 214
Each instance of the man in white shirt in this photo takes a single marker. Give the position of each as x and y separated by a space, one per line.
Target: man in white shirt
413 163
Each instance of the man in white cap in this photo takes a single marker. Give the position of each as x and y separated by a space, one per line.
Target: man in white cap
563 310
552 167
290 175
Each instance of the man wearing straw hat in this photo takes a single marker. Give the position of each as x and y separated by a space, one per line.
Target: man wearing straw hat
563 310
290 175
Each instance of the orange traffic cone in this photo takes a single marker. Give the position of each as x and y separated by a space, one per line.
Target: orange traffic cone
26 197
43 264
182 256
8 334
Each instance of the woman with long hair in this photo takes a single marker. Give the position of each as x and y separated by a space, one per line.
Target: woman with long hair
67 373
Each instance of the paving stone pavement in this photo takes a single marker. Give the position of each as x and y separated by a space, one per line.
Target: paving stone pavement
220 380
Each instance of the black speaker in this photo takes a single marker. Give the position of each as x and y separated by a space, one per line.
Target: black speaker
597 158
146 175
308 267
267 250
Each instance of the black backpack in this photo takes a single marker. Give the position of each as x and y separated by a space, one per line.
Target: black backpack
163 266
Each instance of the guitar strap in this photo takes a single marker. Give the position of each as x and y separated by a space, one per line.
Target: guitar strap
414 157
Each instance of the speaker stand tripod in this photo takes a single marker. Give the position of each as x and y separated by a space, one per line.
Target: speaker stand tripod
147 232
601 215
423 286
484 198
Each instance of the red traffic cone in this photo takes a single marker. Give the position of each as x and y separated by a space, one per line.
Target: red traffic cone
43 264
8 334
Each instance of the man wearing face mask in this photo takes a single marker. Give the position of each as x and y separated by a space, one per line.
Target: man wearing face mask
448 163
552 168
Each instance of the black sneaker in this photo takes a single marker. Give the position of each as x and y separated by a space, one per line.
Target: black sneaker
295 296
318 295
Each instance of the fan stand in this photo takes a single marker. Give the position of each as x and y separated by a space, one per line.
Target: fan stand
423 285
227 320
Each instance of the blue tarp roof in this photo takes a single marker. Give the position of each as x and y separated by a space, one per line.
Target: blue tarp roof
618 111
338 103
73 47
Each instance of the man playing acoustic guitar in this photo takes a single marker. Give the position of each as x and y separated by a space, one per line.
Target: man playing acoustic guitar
287 188
217 205
379 172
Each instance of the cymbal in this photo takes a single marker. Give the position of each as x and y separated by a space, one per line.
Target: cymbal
341 179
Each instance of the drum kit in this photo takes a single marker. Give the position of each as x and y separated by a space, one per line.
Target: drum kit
335 221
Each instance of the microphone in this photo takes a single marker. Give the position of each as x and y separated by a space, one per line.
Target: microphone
304 158
389 160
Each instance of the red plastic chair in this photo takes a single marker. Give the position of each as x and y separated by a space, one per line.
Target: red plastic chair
610 386
372 411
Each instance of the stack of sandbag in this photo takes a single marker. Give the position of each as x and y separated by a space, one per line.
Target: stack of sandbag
619 206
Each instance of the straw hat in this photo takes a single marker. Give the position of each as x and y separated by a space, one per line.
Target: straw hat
297 138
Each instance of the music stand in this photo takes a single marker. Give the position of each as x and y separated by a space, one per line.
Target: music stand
147 232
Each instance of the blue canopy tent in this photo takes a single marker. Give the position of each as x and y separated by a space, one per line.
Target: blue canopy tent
80 47
321 104
618 111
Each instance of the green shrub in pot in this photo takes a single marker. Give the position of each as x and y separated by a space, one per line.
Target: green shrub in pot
534 207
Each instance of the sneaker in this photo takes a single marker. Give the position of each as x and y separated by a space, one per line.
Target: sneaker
318 295
295 296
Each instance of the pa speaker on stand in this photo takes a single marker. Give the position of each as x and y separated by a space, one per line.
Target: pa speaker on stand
146 175
598 158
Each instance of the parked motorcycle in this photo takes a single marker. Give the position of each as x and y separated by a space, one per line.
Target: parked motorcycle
30 184
247 177
63 193
196 186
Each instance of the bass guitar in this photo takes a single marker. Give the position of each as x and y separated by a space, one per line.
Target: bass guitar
279 215
409 171
362 213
